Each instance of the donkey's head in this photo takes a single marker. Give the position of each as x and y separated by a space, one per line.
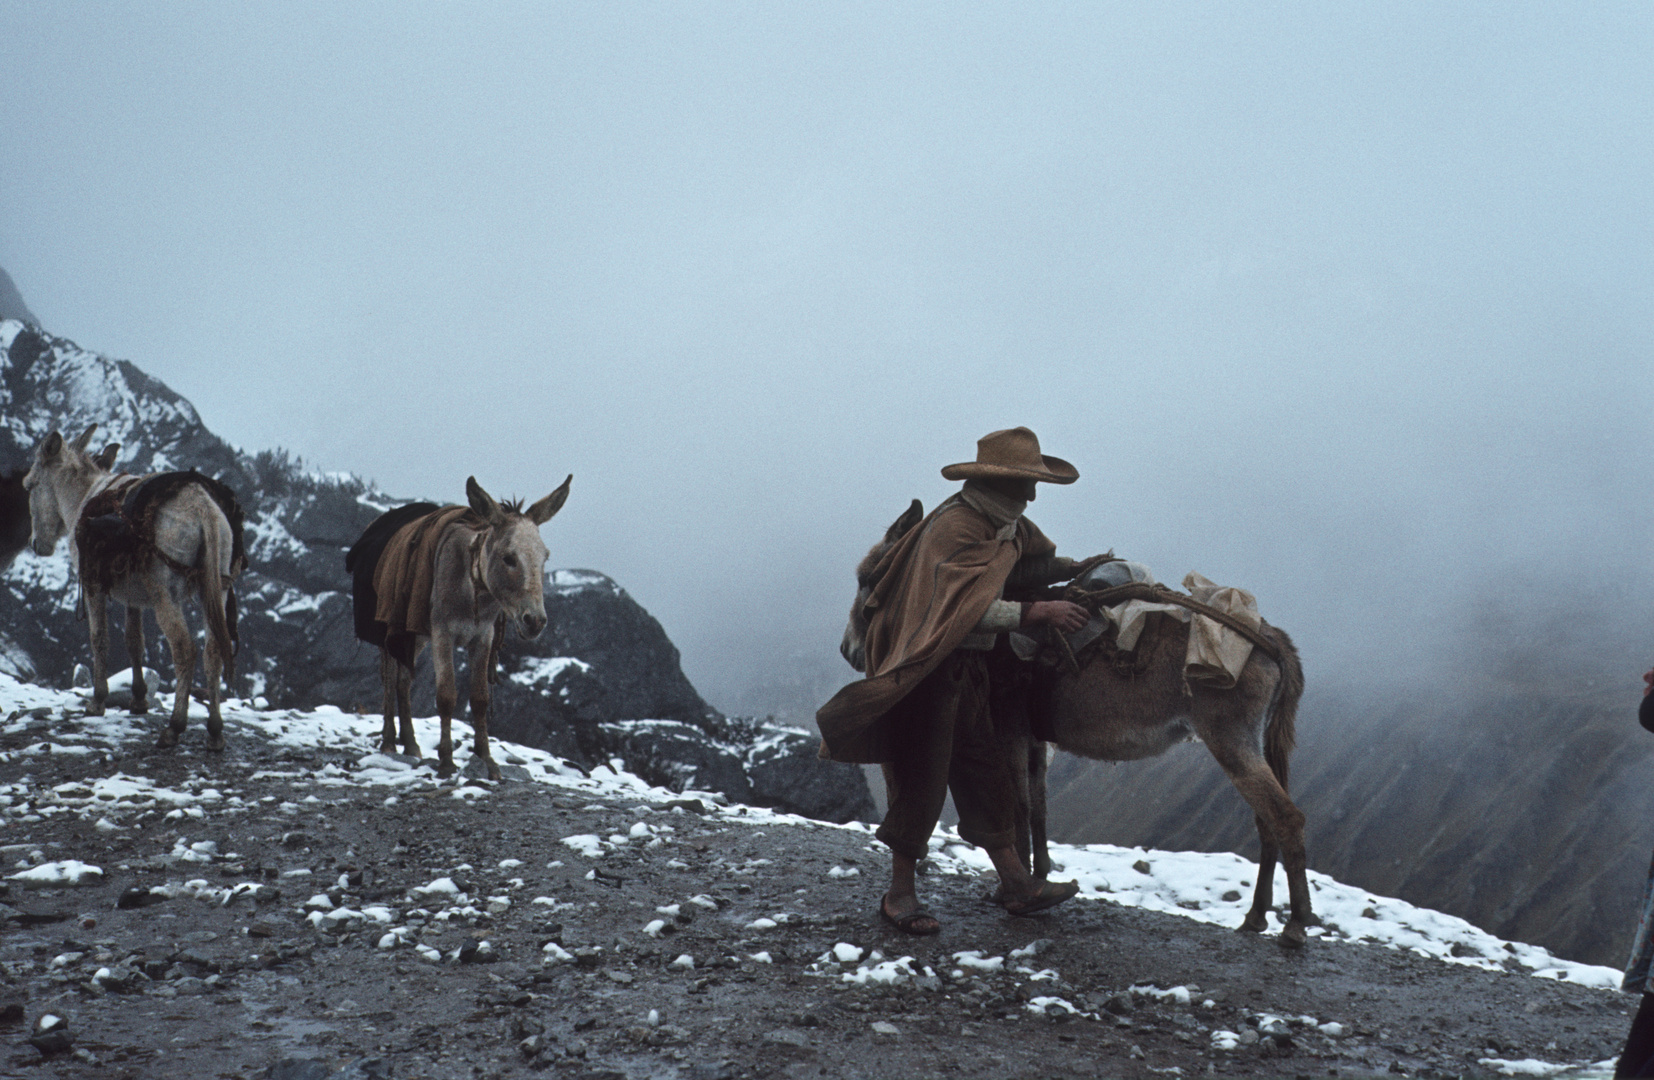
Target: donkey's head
854 646
57 482
513 556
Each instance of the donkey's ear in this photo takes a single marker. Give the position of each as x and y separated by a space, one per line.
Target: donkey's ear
105 458
914 514
79 444
51 447
482 502
542 511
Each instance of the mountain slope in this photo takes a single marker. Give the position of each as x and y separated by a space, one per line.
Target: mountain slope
1514 792
602 659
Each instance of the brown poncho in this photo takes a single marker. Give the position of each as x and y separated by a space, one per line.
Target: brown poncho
937 584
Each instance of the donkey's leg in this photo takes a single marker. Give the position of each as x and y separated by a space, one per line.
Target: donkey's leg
135 654
212 672
447 696
1263 895
387 683
1038 763
477 654
404 706
97 625
1020 753
170 618
1280 819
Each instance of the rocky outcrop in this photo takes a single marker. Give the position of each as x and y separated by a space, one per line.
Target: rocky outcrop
11 301
602 661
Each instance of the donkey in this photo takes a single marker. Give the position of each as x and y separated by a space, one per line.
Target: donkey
446 577
1099 712
189 546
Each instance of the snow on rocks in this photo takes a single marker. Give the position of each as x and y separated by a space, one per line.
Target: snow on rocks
1213 888
58 874
1217 888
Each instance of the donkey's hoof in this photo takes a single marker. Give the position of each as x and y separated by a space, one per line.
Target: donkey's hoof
168 739
1293 935
1253 924
216 742
138 708
94 708
386 746
446 768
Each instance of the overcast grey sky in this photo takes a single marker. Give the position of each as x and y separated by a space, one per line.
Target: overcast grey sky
1349 305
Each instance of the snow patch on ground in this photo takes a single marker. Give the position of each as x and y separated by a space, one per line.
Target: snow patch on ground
1187 884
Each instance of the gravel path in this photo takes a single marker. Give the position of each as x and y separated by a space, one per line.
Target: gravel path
276 911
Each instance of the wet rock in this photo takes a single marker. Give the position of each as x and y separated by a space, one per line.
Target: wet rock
477 952
531 1046
120 979
1141 866
11 1012
1119 1004
300 1069
138 896
366 1068
51 1035
787 1037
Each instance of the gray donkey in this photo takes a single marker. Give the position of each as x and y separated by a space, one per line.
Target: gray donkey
187 544
1109 714
449 577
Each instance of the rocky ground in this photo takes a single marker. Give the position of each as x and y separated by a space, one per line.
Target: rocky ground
300 907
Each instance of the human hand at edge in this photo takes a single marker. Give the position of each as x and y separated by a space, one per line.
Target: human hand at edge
1063 615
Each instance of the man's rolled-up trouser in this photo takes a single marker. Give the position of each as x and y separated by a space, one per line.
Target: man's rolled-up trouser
945 741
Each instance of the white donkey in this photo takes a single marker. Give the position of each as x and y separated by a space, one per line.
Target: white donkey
147 542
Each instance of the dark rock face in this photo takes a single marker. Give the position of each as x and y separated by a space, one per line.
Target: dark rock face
601 660
11 301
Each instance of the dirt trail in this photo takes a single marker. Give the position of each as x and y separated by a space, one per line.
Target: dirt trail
346 890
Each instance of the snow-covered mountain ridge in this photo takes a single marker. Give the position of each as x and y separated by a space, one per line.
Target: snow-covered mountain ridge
602 659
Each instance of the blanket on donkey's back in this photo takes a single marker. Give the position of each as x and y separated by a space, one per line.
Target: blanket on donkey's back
115 533
362 561
406 574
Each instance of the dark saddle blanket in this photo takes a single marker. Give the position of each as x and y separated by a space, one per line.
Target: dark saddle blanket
115 536
362 561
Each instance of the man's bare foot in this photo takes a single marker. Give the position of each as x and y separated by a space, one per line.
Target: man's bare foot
909 916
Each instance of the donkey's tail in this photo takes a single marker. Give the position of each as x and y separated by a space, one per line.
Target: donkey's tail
217 599
1281 732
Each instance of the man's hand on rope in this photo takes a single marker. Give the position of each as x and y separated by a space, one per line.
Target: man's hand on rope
1058 613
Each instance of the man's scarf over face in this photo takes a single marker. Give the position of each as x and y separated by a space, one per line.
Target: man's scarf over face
997 507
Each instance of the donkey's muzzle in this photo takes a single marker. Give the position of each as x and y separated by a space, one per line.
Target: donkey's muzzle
533 624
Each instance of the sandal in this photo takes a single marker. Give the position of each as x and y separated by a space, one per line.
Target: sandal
905 923
1050 894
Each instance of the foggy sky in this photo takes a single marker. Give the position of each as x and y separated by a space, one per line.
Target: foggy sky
1350 307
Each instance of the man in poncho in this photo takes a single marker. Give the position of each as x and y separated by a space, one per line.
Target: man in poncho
922 712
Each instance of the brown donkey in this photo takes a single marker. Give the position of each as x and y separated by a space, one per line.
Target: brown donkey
449 577
1111 715
149 542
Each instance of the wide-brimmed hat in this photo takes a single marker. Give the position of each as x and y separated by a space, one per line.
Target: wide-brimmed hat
1014 454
